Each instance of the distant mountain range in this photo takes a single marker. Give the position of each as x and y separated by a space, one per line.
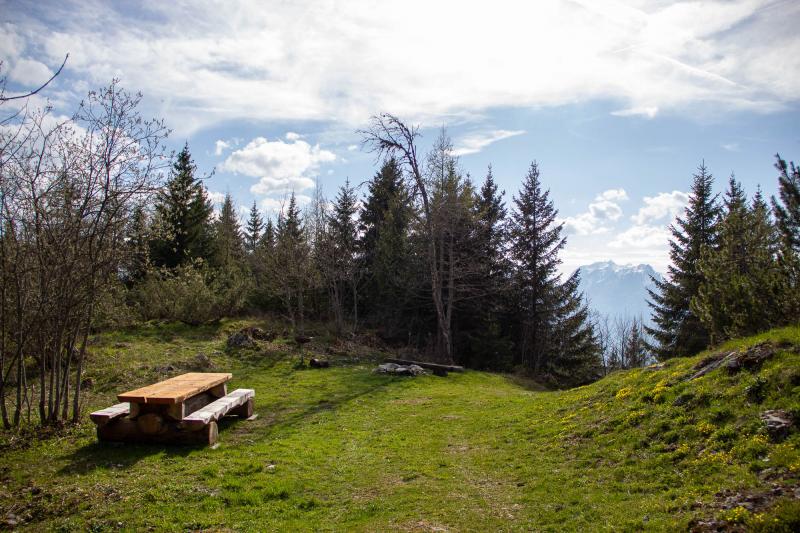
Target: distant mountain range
618 290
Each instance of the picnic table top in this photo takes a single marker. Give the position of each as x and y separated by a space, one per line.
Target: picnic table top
177 389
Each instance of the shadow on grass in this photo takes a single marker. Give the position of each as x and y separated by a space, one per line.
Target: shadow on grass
273 419
120 455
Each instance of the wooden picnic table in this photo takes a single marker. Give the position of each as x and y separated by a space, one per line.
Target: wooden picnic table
184 408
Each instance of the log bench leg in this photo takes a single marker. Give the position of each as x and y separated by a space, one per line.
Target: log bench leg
126 430
245 410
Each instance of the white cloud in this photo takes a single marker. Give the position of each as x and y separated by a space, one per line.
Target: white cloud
352 147
644 236
731 147
476 142
221 146
292 136
216 197
613 195
647 112
281 166
601 212
661 206
286 61
30 73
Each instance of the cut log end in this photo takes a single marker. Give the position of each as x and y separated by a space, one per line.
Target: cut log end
151 424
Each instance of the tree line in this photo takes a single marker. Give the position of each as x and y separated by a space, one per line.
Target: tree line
101 227
735 266
430 260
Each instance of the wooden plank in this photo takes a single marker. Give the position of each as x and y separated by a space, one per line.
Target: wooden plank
176 389
218 408
430 366
104 416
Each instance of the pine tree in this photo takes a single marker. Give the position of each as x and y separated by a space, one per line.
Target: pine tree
183 215
483 318
787 210
678 331
384 247
787 216
267 240
138 238
555 338
252 234
740 290
290 270
338 255
229 247
634 350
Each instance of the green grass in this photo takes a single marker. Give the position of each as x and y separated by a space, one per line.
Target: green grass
344 449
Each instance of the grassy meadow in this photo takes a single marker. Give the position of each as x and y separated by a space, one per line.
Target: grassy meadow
344 449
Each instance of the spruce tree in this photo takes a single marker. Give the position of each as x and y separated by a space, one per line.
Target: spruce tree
229 247
290 270
555 337
339 260
739 290
787 210
677 331
138 239
484 318
384 248
183 215
252 234
267 240
787 216
634 349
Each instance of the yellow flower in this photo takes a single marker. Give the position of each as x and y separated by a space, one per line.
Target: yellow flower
705 428
623 393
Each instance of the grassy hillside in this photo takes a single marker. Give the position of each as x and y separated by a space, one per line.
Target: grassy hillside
345 449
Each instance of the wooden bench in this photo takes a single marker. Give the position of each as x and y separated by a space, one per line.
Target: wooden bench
183 409
238 402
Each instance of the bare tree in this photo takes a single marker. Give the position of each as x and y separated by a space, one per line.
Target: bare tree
388 136
66 192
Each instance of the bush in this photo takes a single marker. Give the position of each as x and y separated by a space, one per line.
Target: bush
193 294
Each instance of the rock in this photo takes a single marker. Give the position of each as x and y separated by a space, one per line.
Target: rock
259 334
416 370
202 361
318 363
400 370
241 339
751 358
735 361
386 368
302 339
712 362
778 423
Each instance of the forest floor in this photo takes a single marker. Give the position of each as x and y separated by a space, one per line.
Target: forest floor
345 449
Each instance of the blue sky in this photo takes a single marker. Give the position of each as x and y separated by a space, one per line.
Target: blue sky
618 101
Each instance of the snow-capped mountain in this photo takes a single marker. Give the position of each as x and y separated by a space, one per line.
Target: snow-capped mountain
618 290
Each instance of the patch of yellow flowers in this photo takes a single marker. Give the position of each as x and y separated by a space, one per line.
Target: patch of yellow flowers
709 457
736 515
623 393
706 429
